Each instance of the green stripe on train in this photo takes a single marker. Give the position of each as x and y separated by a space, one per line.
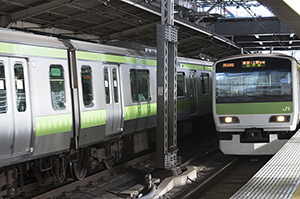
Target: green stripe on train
204 101
150 62
93 118
47 125
107 58
183 104
192 66
208 68
139 111
21 49
254 108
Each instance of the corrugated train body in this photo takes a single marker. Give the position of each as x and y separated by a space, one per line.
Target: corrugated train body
67 102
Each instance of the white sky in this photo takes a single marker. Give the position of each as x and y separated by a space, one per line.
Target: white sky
260 11
294 4
239 11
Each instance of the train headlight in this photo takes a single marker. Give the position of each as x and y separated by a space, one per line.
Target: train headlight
229 119
280 118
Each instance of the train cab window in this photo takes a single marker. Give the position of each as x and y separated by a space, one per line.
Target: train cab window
20 87
106 85
87 86
3 98
57 86
181 84
115 81
205 83
139 81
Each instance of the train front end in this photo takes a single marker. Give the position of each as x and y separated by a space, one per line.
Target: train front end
254 103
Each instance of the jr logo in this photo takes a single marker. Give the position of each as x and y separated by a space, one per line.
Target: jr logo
287 108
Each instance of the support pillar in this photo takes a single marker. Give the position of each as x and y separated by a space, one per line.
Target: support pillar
167 88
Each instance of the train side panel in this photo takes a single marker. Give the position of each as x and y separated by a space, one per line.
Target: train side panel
183 94
113 99
29 127
92 101
52 104
205 92
139 92
15 108
196 81
6 113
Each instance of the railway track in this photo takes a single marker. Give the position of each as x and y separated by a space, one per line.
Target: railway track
110 183
104 184
223 177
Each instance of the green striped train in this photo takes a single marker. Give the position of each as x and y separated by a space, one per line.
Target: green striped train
67 102
256 102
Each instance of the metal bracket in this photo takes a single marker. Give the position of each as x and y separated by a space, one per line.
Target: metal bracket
171 33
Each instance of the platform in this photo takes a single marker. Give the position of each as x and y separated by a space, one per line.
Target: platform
279 177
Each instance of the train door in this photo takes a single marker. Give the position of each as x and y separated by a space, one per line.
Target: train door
15 112
20 105
6 114
193 93
114 109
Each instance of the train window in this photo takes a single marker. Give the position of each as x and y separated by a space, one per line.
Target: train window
115 79
3 101
193 84
205 83
20 87
57 86
87 86
139 81
106 85
180 84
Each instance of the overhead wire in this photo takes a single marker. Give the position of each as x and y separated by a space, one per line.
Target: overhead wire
257 19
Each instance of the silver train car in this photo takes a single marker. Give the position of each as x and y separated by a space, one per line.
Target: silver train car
69 105
255 102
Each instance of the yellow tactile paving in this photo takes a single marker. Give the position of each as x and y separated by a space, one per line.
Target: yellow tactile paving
296 195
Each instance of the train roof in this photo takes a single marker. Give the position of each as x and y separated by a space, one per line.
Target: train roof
18 37
194 61
256 55
100 48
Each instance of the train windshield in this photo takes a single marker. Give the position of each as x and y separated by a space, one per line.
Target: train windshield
265 84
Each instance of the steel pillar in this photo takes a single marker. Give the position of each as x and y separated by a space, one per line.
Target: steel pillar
167 88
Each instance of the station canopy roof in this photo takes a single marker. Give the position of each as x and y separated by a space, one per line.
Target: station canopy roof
132 23
119 22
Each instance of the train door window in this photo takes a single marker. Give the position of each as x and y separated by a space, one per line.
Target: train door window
20 87
3 98
57 87
180 84
87 86
139 81
115 81
205 83
193 85
106 85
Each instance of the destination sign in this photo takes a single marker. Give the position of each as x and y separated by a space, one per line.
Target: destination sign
254 64
228 65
